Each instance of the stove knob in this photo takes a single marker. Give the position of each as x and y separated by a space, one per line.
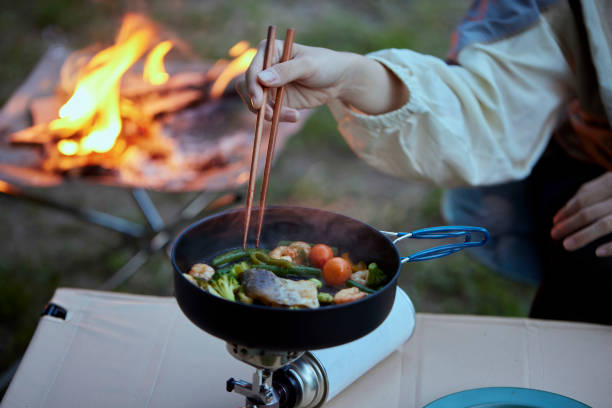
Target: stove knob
301 384
287 388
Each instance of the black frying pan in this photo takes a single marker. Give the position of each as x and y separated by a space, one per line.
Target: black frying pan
273 328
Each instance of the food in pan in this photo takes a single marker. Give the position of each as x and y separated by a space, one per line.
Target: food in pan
264 286
293 275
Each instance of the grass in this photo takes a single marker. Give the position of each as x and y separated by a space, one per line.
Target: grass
45 249
20 297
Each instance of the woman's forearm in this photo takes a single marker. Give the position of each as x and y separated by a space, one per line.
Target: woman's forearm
315 76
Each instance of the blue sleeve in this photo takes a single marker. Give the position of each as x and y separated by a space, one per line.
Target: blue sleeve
491 20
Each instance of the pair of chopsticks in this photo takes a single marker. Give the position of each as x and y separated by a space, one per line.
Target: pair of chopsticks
271 140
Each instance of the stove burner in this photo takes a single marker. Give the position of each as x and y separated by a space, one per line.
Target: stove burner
282 379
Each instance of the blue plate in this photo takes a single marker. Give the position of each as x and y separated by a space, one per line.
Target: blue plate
505 397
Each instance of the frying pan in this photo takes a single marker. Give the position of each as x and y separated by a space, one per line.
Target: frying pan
280 329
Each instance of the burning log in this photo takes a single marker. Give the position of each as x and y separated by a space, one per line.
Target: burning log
40 82
189 88
45 109
157 104
134 88
170 131
111 110
34 135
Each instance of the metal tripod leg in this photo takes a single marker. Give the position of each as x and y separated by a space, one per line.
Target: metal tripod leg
98 218
154 236
162 235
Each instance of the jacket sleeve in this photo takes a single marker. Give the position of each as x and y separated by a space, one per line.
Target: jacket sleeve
484 121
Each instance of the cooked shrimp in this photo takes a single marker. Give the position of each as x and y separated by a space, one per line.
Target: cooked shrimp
348 295
361 277
284 252
297 252
202 271
303 250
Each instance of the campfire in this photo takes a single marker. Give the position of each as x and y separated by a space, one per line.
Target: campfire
123 115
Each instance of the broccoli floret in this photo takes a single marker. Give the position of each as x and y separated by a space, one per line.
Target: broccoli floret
238 268
210 290
225 285
199 282
234 270
375 276
244 298
325 297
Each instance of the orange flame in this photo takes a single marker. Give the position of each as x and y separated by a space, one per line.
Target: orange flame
6 187
95 115
239 65
154 71
238 48
68 147
93 108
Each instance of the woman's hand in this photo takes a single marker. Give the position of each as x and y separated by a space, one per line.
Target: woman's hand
587 216
314 76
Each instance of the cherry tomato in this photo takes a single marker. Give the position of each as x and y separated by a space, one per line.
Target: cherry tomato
336 271
319 254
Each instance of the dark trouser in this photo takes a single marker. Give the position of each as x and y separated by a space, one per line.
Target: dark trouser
572 285
575 285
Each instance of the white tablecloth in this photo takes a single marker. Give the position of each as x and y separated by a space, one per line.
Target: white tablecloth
118 350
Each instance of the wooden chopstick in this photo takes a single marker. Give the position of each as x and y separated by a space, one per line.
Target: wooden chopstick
257 139
278 103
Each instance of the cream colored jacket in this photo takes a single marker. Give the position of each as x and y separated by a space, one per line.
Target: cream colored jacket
484 121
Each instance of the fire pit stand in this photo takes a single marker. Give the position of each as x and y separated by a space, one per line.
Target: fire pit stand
212 135
152 236
159 234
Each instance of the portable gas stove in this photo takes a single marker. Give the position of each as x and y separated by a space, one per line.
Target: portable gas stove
304 357
308 379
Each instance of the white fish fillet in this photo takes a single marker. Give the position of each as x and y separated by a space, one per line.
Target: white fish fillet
269 289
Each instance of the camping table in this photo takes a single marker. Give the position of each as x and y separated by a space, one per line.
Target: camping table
115 350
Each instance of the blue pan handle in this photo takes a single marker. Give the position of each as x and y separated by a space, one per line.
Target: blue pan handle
440 233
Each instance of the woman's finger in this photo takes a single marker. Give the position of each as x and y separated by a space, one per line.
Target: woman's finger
289 115
581 219
590 193
254 89
241 88
585 236
286 115
286 72
604 250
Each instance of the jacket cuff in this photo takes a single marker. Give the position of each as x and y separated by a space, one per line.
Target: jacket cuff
394 119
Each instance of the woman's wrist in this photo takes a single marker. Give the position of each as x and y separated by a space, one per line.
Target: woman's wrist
370 87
